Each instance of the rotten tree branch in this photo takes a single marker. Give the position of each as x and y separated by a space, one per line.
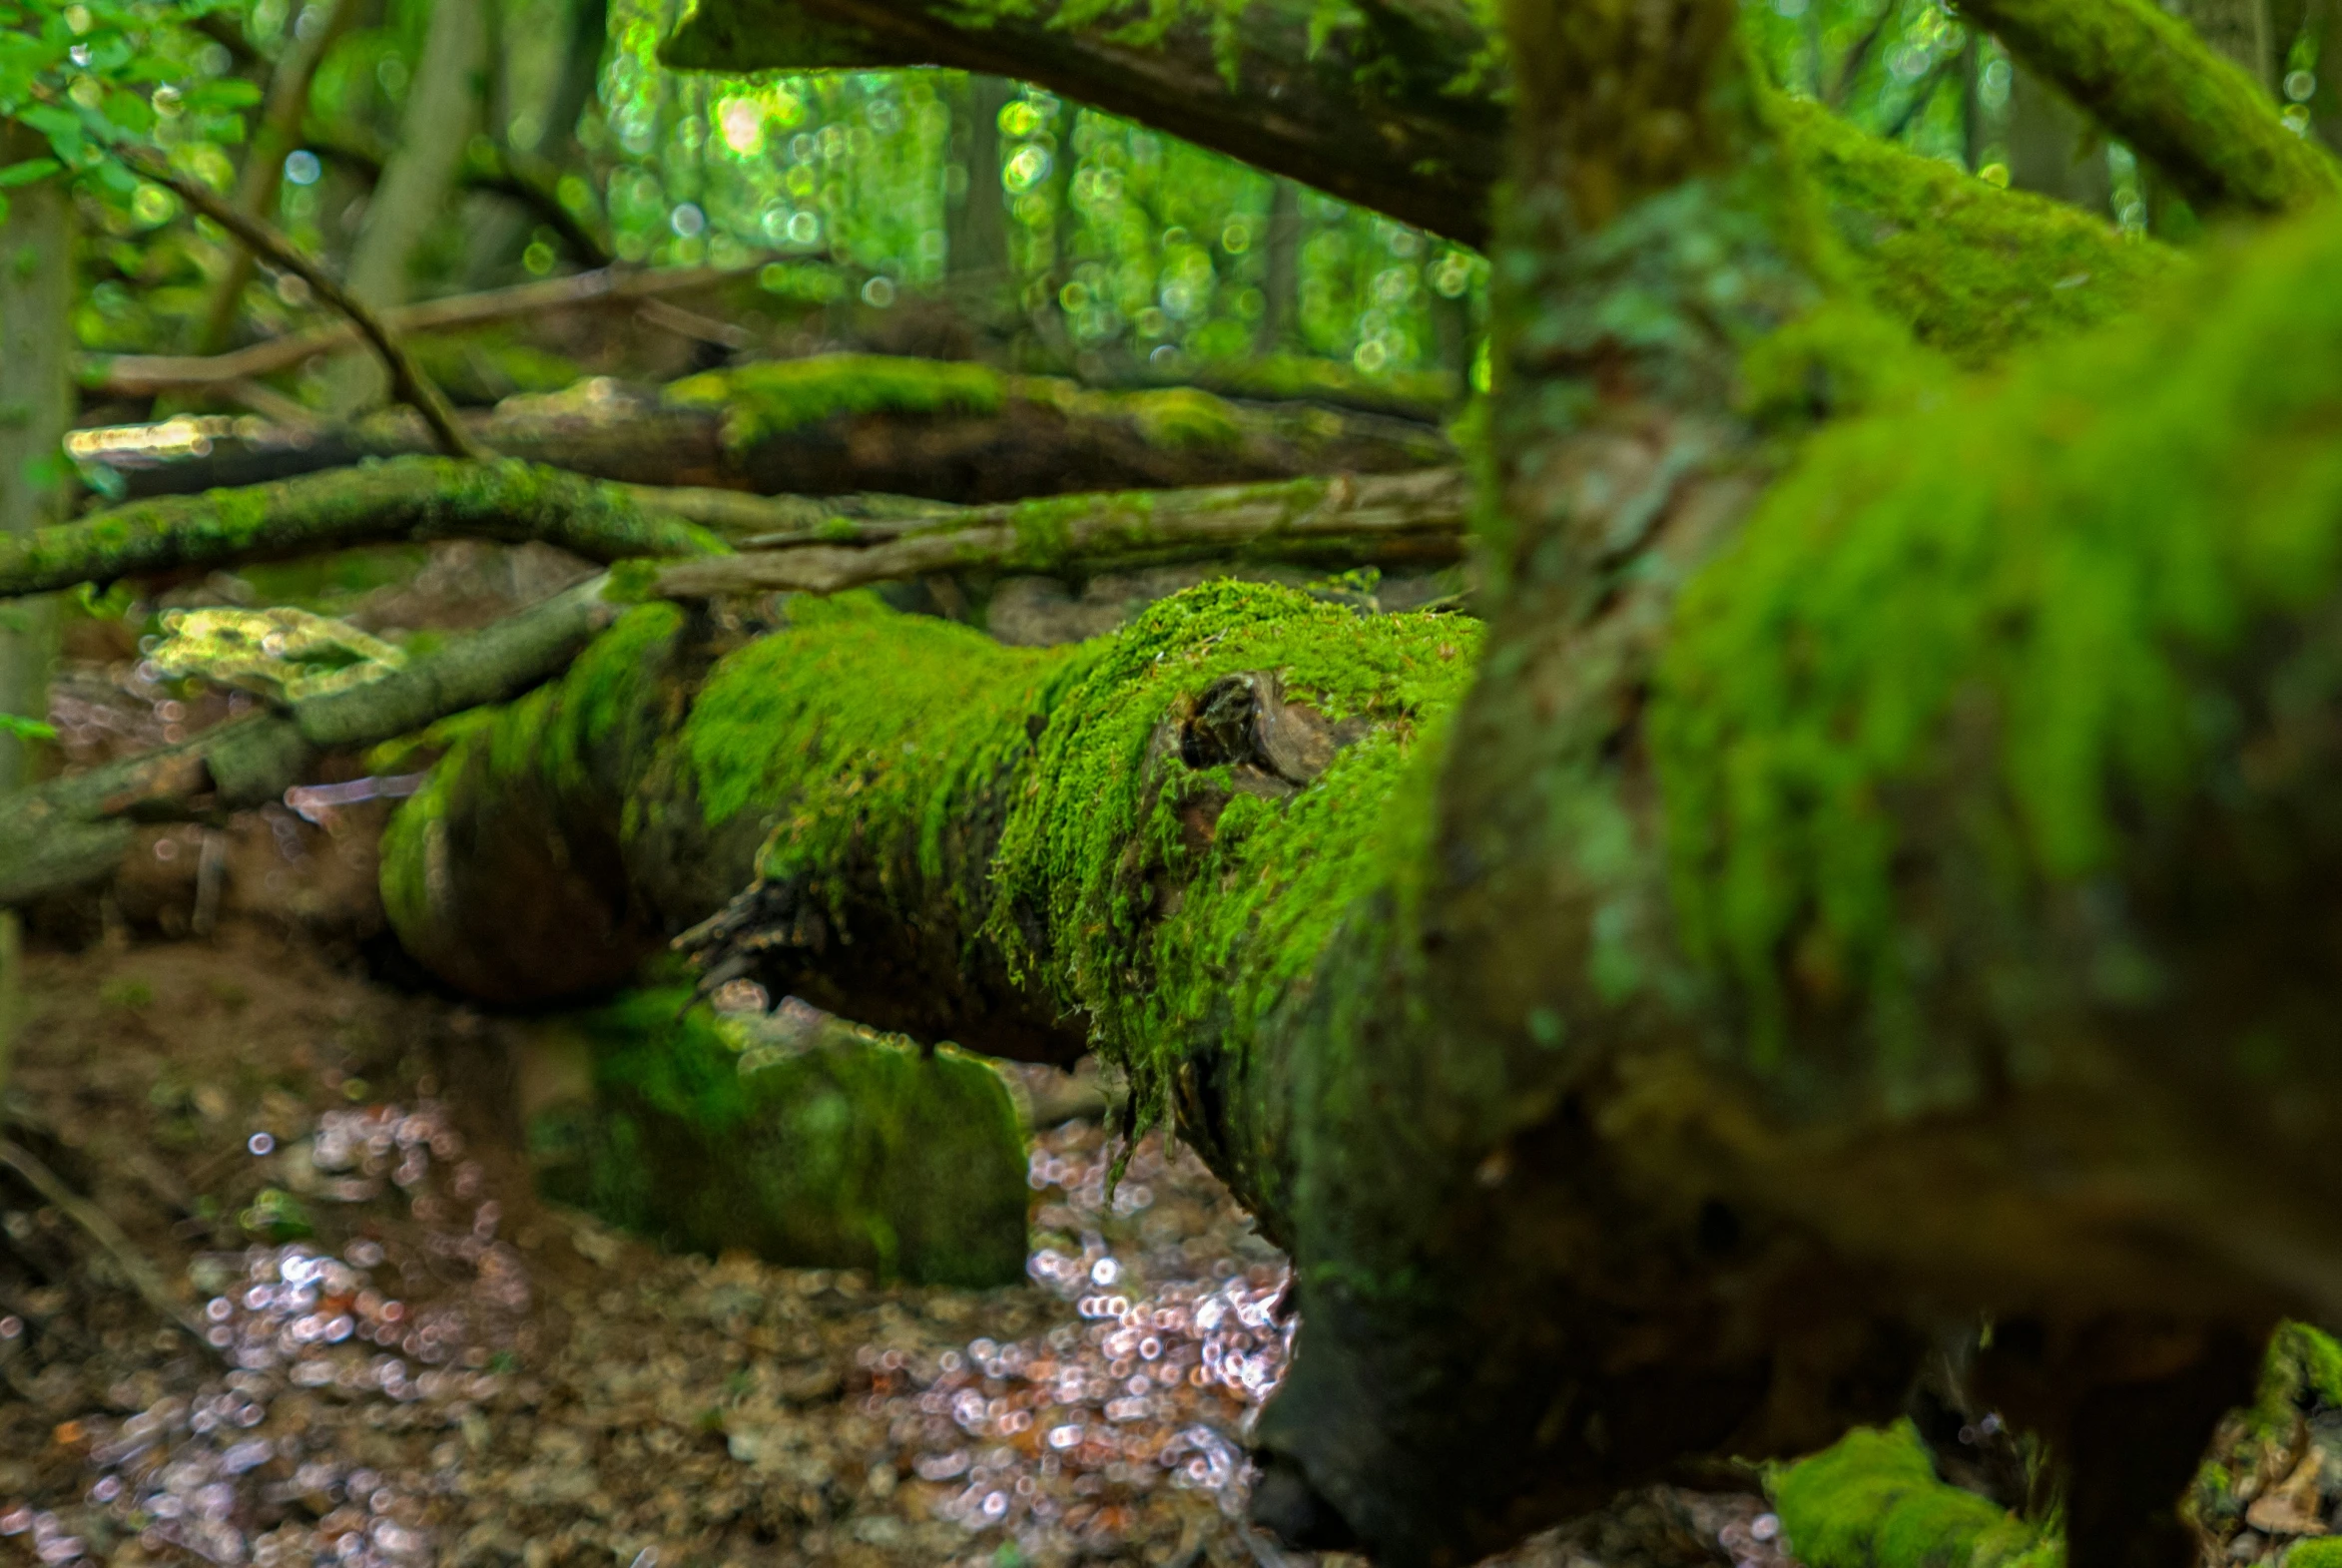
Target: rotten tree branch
1391 519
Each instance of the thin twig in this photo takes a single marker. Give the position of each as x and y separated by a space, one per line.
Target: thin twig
408 384
100 1227
137 375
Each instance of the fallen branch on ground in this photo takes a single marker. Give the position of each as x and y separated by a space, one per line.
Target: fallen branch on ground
143 375
73 829
100 1227
1380 520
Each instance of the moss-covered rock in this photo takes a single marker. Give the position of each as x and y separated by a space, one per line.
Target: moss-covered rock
824 1146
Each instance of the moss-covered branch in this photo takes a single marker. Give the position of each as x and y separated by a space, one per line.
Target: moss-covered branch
1382 520
411 498
74 830
2203 120
830 425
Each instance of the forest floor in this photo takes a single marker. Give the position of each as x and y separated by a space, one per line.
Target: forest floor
394 1353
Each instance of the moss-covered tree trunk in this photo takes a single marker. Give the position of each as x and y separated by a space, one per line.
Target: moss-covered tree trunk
1861 880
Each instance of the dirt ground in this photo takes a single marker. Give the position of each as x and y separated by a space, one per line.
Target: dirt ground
392 1352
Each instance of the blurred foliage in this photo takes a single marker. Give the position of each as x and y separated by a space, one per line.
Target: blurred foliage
1128 253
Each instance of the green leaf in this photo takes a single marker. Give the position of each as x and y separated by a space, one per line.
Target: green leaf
27 172
25 728
221 93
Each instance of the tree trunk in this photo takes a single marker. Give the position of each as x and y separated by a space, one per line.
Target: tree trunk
976 239
530 172
442 111
1830 901
2237 30
36 407
1280 272
36 394
2054 148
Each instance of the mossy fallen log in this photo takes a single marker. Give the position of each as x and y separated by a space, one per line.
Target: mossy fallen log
819 1147
1669 1023
834 425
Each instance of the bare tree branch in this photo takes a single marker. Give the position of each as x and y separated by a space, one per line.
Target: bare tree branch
408 384
139 375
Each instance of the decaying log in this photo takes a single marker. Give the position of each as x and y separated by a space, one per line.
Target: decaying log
1386 520
835 424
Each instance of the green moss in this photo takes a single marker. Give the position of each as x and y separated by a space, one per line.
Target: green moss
846 1150
1099 832
2023 597
1180 417
861 727
1973 269
1874 1501
762 400
2301 1378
